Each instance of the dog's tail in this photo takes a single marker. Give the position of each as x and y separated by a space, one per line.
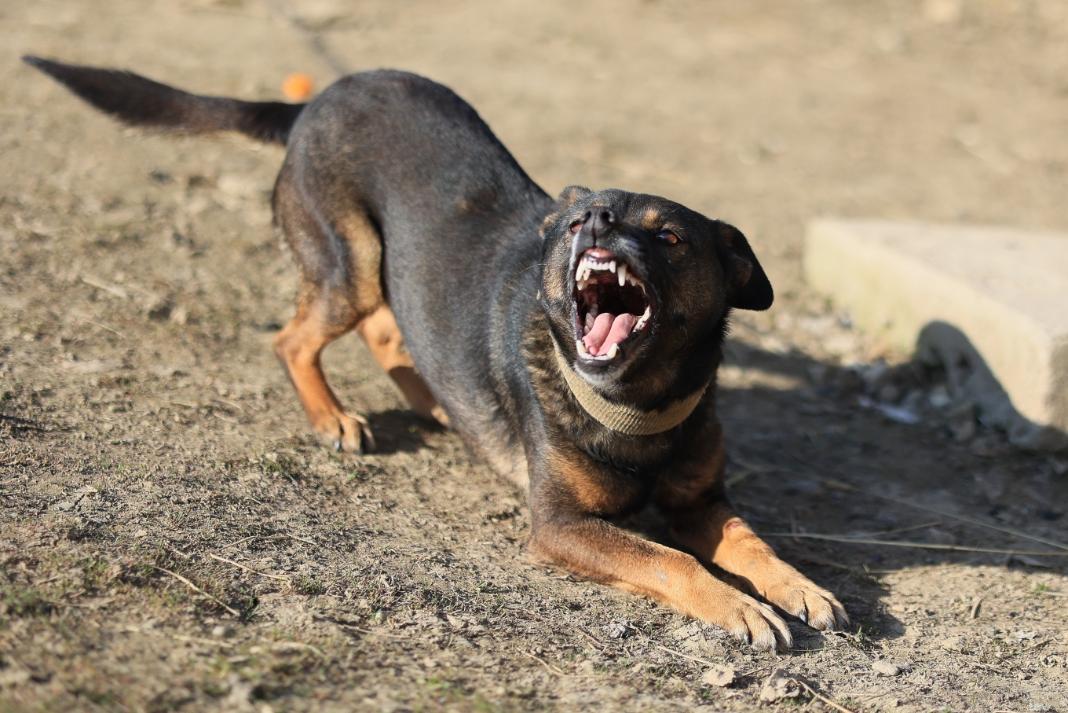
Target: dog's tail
138 101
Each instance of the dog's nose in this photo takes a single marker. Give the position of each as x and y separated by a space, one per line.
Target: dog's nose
598 221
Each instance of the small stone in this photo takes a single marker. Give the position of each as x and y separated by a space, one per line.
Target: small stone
886 668
779 685
617 629
952 643
721 675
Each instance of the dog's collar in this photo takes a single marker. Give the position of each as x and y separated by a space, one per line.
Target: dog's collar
626 419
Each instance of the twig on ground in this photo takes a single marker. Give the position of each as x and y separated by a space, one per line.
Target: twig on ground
596 642
695 659
841 485
914 545
197 589
275 536
248 569
374 632
100 285
899 530
297 646
98 325
821 698
176 551
548 667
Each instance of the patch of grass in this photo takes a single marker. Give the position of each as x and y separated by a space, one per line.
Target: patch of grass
103 698
245 602
444 693
138 574
95 573
280 465
308 586
24 601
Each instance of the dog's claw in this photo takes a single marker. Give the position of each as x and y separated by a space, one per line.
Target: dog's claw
755 623
346 433
811 604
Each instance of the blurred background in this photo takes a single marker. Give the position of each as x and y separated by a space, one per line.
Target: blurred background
764 113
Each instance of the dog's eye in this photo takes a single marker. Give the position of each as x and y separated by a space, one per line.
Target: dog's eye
668 237
575 227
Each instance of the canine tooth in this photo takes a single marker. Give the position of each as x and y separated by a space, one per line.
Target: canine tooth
580 347
643 319
612 351
622 275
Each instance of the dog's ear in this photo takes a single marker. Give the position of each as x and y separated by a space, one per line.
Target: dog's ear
567 198
747 285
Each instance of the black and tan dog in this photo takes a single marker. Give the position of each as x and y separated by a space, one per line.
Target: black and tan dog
572 343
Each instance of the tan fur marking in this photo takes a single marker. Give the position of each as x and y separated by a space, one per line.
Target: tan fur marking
719 536
365 259
580 478
299 346
650 219
604 553
380 332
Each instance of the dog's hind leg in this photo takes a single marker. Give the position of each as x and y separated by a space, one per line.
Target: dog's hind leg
320 319
340 265
340 257
379 330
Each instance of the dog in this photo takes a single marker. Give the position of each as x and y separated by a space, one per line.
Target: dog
572 343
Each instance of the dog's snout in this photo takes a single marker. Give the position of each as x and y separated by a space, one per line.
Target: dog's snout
598 221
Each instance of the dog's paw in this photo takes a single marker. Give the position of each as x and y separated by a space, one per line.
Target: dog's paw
753 622
813 605
348 433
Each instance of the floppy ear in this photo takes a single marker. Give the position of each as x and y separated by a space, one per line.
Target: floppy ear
748 286
567 198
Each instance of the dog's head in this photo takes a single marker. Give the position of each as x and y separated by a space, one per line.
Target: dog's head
637 282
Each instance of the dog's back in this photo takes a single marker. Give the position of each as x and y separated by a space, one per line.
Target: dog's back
458 219
399 203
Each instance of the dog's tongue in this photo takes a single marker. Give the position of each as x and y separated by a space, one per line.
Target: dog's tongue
608 329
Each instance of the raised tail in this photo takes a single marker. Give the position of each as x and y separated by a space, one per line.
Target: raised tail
138 101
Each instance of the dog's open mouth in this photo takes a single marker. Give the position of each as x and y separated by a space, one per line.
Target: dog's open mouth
611 305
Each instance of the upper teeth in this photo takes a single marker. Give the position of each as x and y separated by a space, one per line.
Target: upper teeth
589 264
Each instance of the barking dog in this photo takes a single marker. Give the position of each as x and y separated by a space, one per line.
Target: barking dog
572 343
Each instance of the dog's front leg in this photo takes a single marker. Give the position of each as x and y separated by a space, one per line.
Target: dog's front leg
716 534
595 549
691 495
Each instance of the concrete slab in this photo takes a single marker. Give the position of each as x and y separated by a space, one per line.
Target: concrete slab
989 303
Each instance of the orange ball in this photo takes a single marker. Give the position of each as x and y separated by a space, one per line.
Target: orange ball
297 87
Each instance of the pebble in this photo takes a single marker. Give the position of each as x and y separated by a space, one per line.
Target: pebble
952 643
886 668
617 629
720 675
779 685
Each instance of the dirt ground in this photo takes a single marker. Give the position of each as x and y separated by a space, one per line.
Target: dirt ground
172 538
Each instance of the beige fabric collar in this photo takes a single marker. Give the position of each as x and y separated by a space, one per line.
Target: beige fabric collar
621 418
